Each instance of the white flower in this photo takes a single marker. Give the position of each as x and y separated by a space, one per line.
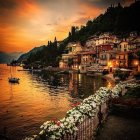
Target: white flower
41 132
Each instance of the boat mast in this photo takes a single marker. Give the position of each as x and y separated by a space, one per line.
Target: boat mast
10 72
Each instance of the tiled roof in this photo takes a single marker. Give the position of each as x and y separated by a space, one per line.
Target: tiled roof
88 52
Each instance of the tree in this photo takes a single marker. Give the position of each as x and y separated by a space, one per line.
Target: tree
48 43
121 74
138 54
55 42
73 30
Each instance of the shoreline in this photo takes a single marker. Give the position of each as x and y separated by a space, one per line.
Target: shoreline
101 107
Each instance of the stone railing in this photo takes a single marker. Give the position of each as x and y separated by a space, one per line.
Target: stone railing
87 128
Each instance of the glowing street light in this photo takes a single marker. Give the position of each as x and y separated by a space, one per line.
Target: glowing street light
136 62
109 64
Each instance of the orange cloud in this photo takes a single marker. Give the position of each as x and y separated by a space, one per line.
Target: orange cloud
25 24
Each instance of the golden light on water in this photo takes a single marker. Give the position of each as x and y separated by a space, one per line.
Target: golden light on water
33 101
109 85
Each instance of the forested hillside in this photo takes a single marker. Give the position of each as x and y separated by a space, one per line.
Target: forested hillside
117 20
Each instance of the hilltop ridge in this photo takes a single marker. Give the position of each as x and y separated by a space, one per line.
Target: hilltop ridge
117 20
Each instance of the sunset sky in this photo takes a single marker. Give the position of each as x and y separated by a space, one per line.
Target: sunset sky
25 24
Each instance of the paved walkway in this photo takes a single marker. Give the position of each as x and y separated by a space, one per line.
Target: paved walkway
120 127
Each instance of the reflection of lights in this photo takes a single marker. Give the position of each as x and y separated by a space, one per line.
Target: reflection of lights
79 76
109 85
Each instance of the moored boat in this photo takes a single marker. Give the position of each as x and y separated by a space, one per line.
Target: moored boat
94 72
14 80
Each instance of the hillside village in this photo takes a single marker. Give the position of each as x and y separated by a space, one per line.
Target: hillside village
106 43
105 51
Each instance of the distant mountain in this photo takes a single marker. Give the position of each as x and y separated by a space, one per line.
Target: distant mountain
8 57
33 51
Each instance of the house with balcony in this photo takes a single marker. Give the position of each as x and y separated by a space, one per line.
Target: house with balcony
134 43
125 50
122 59
74 47
108 57
63 63
88 58
123 46
106 38
103 48
91 43
72 59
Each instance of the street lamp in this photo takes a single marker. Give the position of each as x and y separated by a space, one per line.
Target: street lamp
136 63
110 66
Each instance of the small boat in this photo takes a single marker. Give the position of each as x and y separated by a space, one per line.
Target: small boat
94 72
36 70
14 80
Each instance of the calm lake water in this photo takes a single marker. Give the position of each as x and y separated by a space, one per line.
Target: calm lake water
39 97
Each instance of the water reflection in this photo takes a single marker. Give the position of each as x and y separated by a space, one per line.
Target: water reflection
39 97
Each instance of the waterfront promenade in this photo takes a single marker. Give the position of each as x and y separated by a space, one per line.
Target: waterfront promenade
83 121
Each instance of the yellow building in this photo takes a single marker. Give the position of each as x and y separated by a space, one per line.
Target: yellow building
74 47
106 38
73 56
123 46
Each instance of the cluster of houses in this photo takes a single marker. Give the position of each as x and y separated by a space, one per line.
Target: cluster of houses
105 51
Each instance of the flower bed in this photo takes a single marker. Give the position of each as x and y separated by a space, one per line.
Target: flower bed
57 129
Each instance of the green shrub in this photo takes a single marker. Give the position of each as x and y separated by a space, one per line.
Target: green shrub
105 72
121 74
